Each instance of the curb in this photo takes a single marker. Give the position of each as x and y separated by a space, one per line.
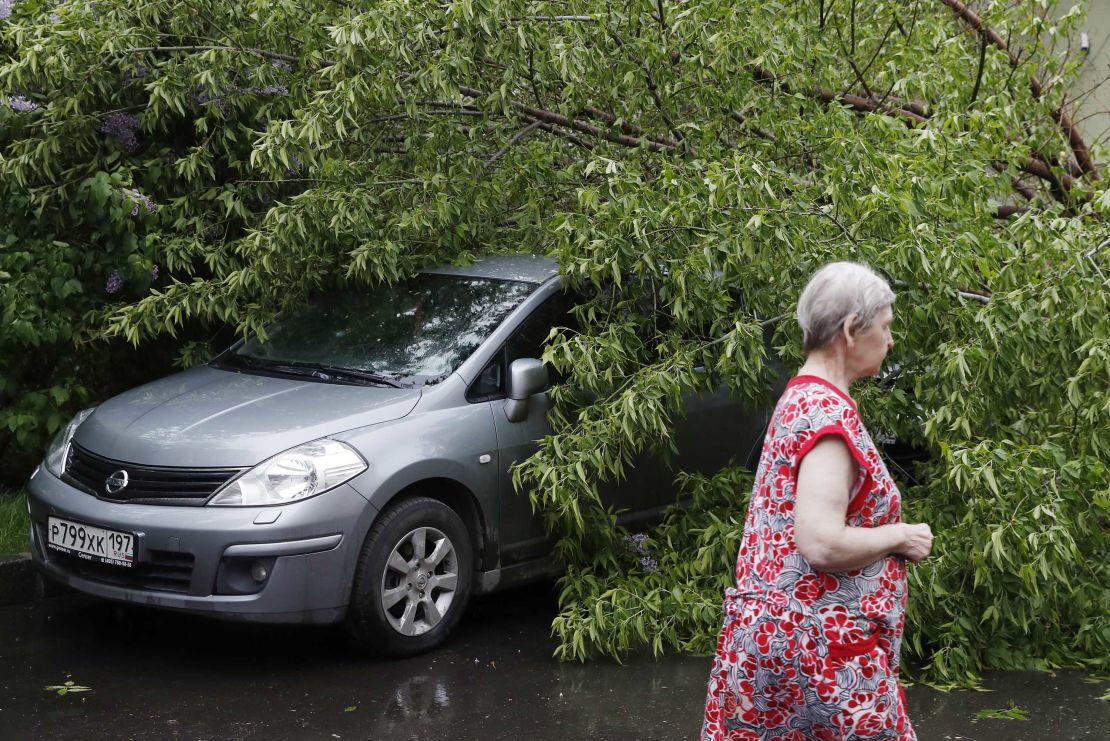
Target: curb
20 581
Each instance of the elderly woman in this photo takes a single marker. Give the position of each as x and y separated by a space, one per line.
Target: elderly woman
809 647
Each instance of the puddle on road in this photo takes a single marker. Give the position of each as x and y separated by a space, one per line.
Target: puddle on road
159 676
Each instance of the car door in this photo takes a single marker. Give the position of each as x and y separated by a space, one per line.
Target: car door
522 532
719 429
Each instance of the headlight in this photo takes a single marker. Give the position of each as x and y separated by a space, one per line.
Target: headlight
304 471
56 454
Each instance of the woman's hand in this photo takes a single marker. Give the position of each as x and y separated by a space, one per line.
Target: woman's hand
917 542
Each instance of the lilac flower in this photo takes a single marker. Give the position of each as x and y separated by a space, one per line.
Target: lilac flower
19 103
637 543
114 284
154 271
6 8
139 200
121 127
269 90
205 98
55 18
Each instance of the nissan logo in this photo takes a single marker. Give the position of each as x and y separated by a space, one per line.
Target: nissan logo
116 483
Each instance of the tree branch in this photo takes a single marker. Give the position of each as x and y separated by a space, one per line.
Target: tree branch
632 130
759 131
1059 115
556 18
1019 186
244 50
1007 210
1061 184
855 102
979 72
574 124
516 137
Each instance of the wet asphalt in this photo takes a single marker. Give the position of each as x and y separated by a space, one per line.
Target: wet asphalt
156 675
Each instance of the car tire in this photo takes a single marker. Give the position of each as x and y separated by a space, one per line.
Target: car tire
412 581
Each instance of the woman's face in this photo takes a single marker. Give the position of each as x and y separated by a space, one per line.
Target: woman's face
871 345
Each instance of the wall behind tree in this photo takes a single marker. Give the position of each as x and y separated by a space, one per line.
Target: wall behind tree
1093 86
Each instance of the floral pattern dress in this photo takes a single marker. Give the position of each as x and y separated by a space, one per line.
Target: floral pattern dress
805 654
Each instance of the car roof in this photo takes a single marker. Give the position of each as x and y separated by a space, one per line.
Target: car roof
526 268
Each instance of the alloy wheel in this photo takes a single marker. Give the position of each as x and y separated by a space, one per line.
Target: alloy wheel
419 581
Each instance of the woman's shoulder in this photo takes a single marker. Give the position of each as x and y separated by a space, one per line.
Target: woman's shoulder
811 402
814 389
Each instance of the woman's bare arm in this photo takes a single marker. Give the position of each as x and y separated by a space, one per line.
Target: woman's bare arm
825 480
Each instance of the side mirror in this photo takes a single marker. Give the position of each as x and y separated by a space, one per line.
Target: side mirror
527 377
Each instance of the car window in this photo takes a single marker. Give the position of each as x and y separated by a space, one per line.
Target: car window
526 342
423 327
490 381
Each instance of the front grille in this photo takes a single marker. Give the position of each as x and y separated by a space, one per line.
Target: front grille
146 484
164 572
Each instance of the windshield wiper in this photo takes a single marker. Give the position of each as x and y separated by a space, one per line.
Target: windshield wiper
313 370
361 375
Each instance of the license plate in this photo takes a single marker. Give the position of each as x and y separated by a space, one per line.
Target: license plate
91 543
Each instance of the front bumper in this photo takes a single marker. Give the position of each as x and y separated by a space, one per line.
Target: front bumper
183 555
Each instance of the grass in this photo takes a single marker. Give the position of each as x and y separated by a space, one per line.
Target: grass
14 525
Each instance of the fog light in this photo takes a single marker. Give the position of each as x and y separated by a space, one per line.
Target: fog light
259 572
244 575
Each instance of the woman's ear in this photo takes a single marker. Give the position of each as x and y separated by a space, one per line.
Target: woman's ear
846 329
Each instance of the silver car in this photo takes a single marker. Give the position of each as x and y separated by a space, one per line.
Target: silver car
353 467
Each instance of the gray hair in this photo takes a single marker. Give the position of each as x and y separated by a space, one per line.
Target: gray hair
834 293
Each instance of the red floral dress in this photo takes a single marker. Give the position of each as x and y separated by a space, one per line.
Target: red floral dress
806 654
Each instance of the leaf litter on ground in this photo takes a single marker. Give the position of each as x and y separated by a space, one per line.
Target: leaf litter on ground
1011 713
68 687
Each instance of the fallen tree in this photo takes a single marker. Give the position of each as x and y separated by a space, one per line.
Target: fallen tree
170 166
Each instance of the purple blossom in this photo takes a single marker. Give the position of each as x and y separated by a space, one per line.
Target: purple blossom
270 90
114 284
121 127
637 543
154 271
55 18
6 8
139 200
205 98
19 103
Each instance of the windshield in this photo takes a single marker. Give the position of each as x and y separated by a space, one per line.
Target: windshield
420 328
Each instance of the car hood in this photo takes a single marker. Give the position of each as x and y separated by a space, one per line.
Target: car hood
212 418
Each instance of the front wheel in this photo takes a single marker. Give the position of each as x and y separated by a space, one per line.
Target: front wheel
413 579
